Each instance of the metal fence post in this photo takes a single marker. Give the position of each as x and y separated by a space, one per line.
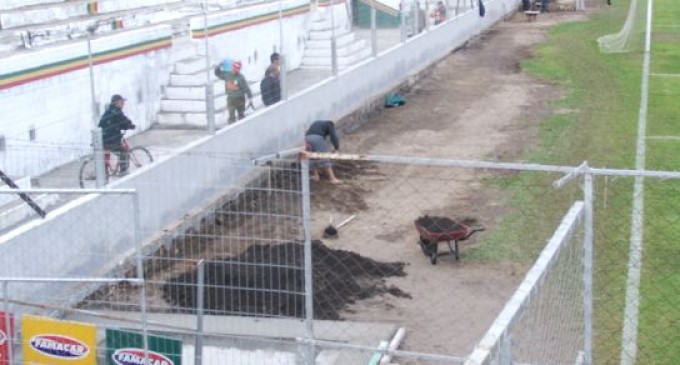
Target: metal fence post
309 277
283 79
136 216
402 33
588 270
98 155
280 26
209 94
96 138
90 63
8 323
374 32
283 76
200 288
416 17
334 51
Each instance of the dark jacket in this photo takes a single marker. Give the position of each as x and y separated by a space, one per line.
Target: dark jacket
324 128
270 87
112 123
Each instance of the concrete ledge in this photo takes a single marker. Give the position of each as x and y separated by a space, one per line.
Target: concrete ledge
343 61
326 51
255 332
365 333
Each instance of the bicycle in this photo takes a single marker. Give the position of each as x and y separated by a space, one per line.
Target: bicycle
138 157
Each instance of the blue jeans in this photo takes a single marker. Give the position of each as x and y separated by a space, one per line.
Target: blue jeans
317 144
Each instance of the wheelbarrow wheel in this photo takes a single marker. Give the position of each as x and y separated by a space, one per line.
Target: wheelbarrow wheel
429 249
423 246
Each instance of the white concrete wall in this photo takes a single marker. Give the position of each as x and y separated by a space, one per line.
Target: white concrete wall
22 183
59 107
253 45
174 185
81 239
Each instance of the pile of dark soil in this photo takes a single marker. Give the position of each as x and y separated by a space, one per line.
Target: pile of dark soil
438 224
269 280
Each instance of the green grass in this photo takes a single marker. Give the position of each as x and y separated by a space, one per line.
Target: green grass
604 89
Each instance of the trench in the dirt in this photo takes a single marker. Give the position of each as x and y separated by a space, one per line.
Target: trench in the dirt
247 277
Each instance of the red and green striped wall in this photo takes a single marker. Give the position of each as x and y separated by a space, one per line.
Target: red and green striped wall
16 78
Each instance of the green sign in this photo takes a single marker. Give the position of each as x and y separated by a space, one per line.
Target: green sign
127 348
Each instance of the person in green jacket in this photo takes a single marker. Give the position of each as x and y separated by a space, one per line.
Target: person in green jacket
237 90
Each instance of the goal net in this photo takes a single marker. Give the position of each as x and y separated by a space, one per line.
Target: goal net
543 321
631 35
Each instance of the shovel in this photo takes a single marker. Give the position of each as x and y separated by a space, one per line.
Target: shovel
332 232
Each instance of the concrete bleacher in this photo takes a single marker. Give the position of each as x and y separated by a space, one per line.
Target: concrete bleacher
350 50
184 98
48 11
24 24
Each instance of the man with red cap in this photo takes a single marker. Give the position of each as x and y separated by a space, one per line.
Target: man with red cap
237 89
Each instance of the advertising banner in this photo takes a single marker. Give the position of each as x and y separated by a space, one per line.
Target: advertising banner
49 341
5 337
127 348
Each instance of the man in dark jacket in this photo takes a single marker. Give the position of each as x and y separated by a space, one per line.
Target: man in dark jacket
274 63
315 141
270 86
112 123
439 13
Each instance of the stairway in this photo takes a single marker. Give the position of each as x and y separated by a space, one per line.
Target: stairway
317 54
183 103
33 23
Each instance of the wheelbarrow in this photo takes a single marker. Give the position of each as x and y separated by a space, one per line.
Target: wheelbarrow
434 230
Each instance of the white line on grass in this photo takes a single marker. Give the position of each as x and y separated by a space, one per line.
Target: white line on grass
632 310
665 138
664 75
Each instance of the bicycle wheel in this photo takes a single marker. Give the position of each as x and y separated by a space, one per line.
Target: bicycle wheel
139 156
88 175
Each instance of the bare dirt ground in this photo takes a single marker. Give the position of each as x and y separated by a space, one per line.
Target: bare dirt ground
476 104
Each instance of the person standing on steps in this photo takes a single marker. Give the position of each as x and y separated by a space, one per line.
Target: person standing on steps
270 86
237 89
439 13
315 141
112 122
274 63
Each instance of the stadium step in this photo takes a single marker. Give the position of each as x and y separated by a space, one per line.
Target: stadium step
33 23
25 13
317 54
184 99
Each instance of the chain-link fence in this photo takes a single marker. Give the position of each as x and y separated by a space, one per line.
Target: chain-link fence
545 320
461 255
406 261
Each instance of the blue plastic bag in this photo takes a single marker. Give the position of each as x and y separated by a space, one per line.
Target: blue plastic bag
227 64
